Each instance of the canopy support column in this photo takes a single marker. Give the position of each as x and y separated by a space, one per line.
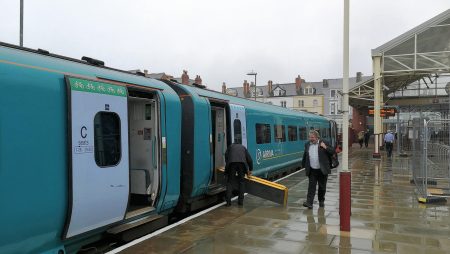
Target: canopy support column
377 103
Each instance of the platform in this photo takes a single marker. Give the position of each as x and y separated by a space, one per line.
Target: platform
386 218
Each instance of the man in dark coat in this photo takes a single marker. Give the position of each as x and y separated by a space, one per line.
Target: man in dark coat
316 161
366 138
238 162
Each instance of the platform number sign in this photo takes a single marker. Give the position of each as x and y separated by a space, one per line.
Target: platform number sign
98 152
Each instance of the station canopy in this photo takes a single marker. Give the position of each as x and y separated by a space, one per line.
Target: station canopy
423 51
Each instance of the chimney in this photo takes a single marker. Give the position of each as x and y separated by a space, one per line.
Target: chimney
298 84
325 83
246 89
185 78
224 88
269 86
358 76
198 80
146 73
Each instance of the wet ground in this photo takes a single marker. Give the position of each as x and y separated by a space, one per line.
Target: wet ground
386 218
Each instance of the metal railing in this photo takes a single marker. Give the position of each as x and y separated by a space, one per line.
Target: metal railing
430 158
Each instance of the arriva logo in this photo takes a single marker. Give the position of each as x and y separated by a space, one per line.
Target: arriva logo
258 156
266 154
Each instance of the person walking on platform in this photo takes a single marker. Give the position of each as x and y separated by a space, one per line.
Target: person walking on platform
316 161
361 138
389 143
366 138
238 163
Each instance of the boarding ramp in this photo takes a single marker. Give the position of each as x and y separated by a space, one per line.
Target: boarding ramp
431 159
262 188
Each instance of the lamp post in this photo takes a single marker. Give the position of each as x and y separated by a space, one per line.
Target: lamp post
253 73
21 23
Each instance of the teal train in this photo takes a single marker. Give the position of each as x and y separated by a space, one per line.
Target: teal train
89 153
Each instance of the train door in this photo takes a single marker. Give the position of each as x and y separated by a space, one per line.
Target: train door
219 133
238 124
333 134
144 152
98 155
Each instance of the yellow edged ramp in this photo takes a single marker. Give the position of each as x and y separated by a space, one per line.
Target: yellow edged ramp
264 189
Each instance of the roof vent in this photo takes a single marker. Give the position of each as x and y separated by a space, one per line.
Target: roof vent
93 61
43 52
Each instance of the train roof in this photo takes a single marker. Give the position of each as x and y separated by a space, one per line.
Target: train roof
250 103
43 60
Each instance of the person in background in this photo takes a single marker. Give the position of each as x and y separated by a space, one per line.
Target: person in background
238 163
316 161
361 138
389 143
366 138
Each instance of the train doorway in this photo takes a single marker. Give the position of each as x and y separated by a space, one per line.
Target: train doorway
219 139
145 173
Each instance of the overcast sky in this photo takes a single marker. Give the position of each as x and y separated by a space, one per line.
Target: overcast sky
219 40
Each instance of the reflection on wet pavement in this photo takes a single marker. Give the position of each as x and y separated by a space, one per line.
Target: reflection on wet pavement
386 218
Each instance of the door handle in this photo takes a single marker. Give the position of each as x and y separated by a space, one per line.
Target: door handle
154 153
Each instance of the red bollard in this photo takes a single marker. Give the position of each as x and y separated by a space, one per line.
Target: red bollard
345 204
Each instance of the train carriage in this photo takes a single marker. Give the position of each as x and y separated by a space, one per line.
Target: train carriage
84 149
274 136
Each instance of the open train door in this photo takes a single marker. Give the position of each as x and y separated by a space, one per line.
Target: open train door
98 155
238 124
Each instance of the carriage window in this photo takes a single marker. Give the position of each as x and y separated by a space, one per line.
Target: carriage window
237 131
323 132
280 133
263 133
107 139
292 133
303 135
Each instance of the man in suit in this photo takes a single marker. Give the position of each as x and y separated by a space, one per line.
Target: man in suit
316 161
238 162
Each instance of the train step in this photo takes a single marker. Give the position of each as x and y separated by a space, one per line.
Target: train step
215 189
264 189
134 229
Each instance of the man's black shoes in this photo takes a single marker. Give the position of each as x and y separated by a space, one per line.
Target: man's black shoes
321 204
228 204
305 204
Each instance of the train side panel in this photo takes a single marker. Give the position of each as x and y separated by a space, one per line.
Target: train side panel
33 149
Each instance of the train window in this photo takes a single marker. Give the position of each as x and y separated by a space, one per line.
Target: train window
107 139
323 132
237 131
280 133
292 133
303 134
263 133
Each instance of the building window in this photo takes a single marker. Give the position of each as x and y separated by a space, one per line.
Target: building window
107 139
292 133
283 103
315 103
280 134
308 90
333 93
237 131
303 135
301 103
263 133
332 108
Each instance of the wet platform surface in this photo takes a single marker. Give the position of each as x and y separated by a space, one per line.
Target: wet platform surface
386 218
